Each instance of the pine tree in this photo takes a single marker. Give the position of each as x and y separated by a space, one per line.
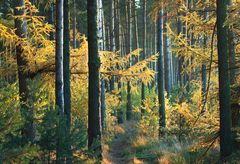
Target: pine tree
94 125
66 77
161 99
224 81
59 81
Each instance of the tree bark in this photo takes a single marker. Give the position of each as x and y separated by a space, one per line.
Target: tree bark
94 125
161 98
67 81
129 49
224 81
166 58
144 42
59 81
26 111
112 37
74 25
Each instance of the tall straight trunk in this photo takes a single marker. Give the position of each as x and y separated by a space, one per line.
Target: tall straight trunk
59 81
144 43
135 30
94 125
161 99
156 51
204 67
135 27
166 58
51 19
74 25
26 111
103 104
101 46
185 32
224 81
112 38
129 49
117 25
67 80
180 59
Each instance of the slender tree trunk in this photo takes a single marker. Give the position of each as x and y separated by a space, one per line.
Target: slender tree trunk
144 42
112 38
166 58
161 99
224 81
51 19
135 30
94 125
101 45
129 49
74 25
26 111
204 67
59 81
67 80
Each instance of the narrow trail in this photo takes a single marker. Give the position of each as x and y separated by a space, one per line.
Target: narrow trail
117 148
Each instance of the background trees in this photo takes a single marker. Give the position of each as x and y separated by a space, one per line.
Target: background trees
159 68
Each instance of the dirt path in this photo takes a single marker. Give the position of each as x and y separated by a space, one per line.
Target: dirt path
115 154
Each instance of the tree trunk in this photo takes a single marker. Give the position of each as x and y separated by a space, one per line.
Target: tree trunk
59 81
129 49
94 125
67 80
135 28
161 99
51 19
204 67
101 34
144 45
26 111
224 81
166 58
112 38
74 25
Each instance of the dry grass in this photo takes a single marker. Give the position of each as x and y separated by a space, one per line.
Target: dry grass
164 160
140 142
119 129
137 161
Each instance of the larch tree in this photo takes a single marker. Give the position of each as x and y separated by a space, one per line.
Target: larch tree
26 110
224 80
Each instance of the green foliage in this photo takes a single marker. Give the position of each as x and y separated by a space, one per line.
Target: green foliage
11 148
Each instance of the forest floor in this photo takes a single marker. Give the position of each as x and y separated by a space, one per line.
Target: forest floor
116 153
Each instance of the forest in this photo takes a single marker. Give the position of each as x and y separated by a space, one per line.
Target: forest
120 81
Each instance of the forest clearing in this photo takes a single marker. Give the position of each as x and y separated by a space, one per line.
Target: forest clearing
120 81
